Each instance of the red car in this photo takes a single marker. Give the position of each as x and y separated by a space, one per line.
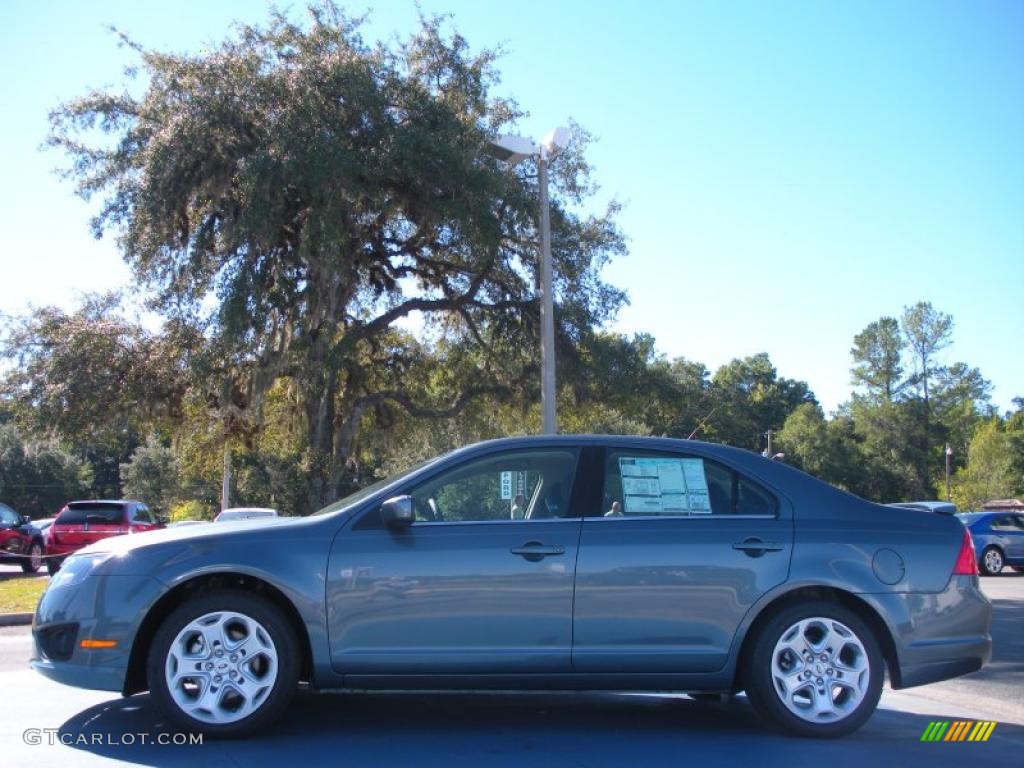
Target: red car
82 522
20 542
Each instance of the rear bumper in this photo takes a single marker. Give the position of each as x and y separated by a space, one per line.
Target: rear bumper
62 550
953 661
938 636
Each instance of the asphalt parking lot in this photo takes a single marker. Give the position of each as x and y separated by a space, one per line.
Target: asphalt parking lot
517 729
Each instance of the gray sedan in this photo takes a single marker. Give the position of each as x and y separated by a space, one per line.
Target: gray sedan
558 563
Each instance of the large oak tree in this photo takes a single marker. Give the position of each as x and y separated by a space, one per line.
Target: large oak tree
295 192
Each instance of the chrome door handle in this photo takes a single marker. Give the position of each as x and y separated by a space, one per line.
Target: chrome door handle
756 547
535 550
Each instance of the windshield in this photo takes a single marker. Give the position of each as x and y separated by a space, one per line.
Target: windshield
361 494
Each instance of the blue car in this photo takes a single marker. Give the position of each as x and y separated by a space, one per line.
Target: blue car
998 539
560 563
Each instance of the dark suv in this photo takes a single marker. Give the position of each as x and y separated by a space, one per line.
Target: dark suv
20 542
83 522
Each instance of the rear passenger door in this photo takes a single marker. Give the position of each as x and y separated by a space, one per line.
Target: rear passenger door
669 564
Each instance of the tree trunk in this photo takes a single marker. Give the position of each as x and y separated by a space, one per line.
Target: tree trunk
321 409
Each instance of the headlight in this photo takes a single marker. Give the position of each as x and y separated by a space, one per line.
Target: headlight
76 568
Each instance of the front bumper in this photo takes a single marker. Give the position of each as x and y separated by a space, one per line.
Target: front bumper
102 607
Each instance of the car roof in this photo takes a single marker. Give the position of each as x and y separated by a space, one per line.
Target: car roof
104 501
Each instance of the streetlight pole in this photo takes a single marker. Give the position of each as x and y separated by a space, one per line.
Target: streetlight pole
949 456
547 305
513 150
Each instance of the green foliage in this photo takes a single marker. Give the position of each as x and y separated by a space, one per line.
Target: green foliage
37 478
877 354
751 399
152 476
194 509
990 472
928 332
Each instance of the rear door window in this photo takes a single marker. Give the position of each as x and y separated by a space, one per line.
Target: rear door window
1005 523
655 484
80 513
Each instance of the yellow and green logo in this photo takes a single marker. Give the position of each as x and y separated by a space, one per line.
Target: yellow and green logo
958 730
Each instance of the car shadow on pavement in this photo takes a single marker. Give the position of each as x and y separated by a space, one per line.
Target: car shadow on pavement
578 729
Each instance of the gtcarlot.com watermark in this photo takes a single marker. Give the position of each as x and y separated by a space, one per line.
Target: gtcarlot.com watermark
52 736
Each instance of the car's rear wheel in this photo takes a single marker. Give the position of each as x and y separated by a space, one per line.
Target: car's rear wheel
224 663
991 561
34 561
815 669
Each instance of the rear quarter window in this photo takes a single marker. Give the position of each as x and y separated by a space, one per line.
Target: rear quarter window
93 512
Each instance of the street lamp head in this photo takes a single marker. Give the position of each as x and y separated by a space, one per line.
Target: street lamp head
512 149
555 142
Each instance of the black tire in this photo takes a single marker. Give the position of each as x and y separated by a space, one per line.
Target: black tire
281 633
53 565
759 679
34 560
992 561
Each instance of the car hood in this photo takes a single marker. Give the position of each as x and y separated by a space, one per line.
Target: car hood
121 545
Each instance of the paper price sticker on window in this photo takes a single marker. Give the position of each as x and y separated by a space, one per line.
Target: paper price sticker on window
664 486
506 485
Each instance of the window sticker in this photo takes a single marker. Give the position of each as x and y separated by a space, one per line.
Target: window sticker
663 486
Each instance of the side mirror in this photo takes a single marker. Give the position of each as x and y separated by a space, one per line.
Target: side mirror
397 512
26 520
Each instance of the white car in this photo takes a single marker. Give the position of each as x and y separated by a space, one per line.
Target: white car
244 513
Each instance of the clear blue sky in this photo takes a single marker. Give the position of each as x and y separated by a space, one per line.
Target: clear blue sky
792 170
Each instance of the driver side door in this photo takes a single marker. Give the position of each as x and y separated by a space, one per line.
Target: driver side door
480 583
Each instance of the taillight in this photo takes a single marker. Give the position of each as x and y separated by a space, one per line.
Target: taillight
966 561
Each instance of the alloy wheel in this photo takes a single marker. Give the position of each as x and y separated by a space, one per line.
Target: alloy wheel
820 670
993 560
221 667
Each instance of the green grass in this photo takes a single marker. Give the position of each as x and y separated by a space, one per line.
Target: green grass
19 594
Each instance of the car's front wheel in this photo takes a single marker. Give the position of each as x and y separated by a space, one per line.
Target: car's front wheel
991 561
225 663
34 561
815 669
